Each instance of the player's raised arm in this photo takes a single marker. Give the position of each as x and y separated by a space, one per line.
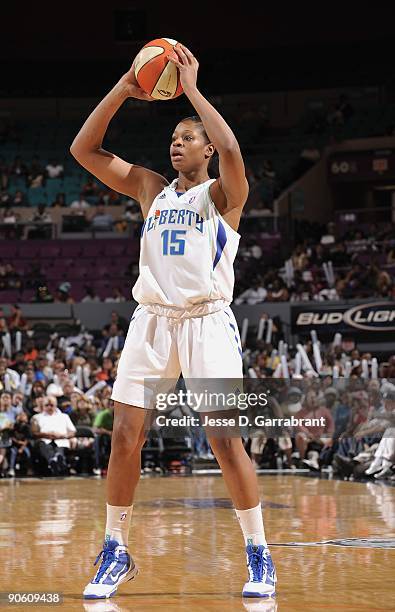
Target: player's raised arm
232 182
139 183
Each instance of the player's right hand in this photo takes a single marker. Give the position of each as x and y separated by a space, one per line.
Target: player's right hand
133 88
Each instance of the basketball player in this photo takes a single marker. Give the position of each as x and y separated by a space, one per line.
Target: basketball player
183 321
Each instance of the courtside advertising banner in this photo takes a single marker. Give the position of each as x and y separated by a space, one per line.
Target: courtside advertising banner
370 320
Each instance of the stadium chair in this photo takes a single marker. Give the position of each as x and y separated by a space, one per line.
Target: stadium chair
115 248
89 262
72 183
93 249
54 186
103 449
65 329
150 452
28 250
50 250
42 327
12 189
9 297
75 224
27 295
71 195
56 273
20 268
37 196
71 250
82 459
132 249
119 264
126 287
77 273
45 264
18 183
102 272
70 263
102 288
7 249
176 455
78 289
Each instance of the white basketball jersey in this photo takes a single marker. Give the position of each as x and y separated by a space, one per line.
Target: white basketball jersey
187 250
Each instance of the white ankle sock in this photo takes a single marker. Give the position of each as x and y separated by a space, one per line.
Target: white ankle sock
251 523
118 523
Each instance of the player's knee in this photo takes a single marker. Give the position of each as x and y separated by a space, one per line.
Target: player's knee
225 447
126 439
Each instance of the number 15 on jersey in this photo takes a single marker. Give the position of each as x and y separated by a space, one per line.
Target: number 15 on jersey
173 244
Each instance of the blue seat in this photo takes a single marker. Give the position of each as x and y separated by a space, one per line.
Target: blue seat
53 187
37 196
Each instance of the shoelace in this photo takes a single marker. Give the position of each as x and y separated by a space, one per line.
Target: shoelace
257 560
108 558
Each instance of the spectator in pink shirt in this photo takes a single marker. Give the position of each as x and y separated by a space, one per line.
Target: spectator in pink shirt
311 438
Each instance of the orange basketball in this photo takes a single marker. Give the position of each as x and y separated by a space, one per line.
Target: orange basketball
158 77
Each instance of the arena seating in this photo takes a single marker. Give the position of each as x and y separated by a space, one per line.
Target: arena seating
51 140
101 264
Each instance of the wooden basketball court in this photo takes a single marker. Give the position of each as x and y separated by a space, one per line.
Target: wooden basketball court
188 546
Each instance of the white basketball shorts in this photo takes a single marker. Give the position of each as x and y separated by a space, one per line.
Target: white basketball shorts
159 347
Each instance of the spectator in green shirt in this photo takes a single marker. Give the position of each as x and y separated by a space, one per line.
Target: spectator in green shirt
104 421
102 426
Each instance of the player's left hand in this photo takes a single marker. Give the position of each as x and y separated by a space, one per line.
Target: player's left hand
187 64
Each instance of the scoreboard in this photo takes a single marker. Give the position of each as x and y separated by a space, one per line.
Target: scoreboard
353 166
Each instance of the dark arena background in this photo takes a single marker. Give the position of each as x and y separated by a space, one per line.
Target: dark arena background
310 95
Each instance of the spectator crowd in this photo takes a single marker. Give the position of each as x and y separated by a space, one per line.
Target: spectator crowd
333 263
55 410
56 416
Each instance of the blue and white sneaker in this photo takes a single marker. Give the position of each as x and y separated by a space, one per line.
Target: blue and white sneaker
261 571
116 567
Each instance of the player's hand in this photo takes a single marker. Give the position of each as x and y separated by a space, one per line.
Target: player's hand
187 64
133 89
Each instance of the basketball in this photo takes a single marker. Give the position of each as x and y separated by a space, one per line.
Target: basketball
158 77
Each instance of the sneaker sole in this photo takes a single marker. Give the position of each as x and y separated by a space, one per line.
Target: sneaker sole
126 578
250 594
